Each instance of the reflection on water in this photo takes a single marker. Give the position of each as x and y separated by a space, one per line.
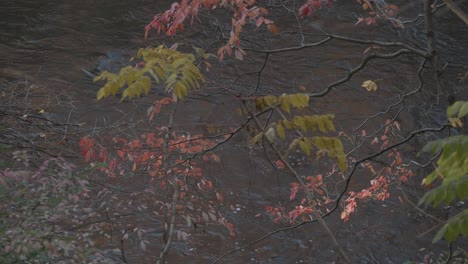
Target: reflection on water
53 41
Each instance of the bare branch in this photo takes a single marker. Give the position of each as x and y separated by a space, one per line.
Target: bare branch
455 9
358 68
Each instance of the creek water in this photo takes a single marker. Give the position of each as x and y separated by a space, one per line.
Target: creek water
56 44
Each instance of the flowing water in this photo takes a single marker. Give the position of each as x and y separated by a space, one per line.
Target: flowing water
59 44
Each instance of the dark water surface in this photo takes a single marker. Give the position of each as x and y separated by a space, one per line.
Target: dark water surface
57 43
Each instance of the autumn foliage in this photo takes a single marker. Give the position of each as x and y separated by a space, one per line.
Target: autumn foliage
168 160
173 159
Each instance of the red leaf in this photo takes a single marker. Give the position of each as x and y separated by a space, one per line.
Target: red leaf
121 154
209 185
112 165
102 156
280 164
305 11
294 188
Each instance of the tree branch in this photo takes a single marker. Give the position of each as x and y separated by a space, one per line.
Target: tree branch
358 68
351 173
455 9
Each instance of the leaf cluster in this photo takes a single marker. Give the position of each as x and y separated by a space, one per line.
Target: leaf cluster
35 206
456 112
459 109
285 101
175 69
332 146
452 169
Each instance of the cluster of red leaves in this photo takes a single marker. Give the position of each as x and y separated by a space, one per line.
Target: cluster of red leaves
301 212
90 150
393 173
378 191
381 11
157 107
382 177
147 152
308 8
316 186
243 11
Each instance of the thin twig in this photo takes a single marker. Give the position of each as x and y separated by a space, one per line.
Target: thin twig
122 251
455 9
310 197
419 209
338 200
170 232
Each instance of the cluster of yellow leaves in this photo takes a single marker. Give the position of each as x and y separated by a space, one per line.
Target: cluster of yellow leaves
324 123
332 146
175 69
285 101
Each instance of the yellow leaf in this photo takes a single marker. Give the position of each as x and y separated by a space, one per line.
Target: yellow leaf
270 100
305 146
280 131
259 104
455 122
257 138
285 103
370 85
299 122
41 112
180 90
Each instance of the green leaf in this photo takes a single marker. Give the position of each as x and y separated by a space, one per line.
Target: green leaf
454 108
463 110
455 226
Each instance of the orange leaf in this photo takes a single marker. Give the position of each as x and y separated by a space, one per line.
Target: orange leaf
273 28
180 27
220 197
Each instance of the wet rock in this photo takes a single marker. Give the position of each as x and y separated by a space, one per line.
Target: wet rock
112 61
